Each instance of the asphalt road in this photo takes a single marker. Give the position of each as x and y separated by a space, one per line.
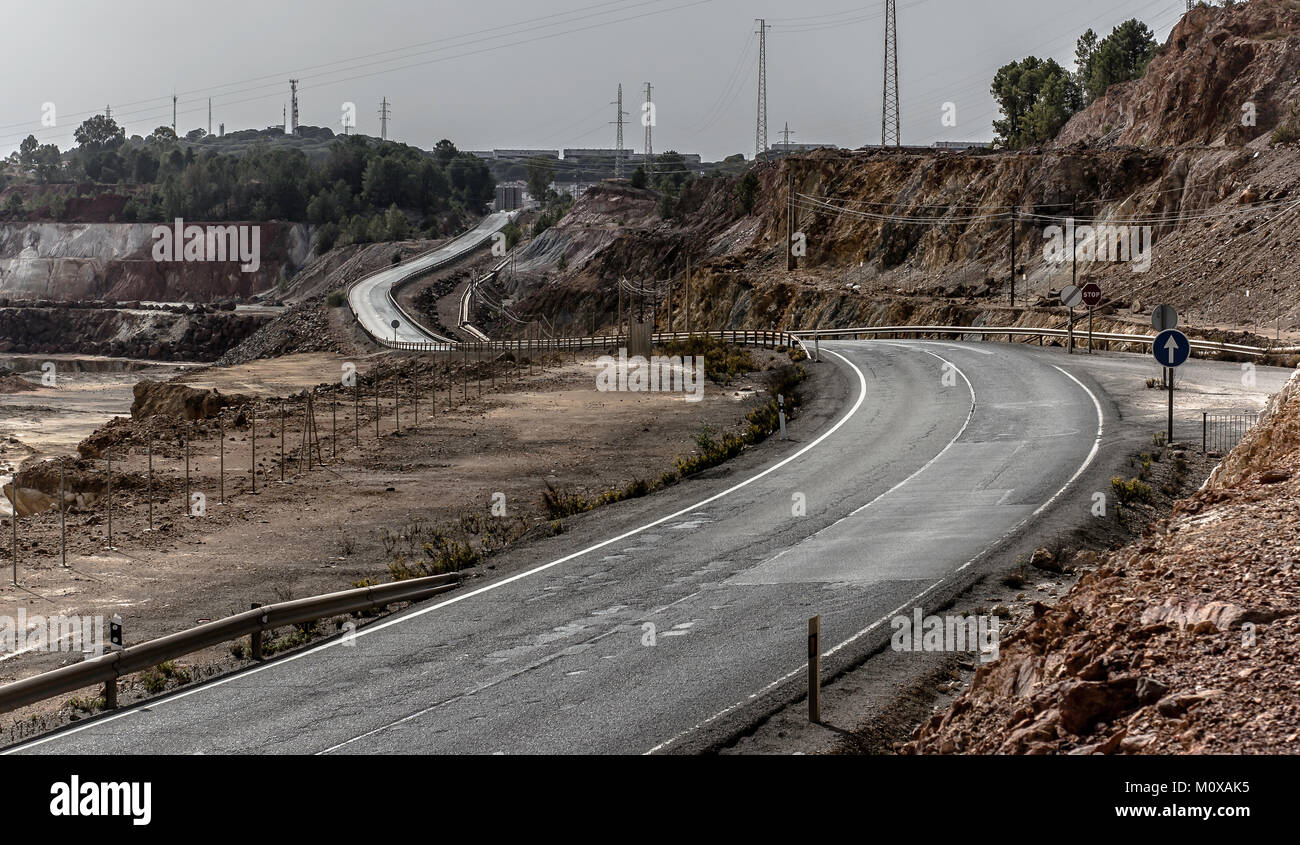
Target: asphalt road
940 452
374 308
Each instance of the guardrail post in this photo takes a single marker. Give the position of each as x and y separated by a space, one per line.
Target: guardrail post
255 638
110 694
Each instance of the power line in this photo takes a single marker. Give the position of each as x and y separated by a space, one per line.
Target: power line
323 80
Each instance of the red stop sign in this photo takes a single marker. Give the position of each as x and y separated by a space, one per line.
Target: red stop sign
1091 294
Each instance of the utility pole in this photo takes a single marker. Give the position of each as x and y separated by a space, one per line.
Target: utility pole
890 129
1074 247
649 126
173 112
760 125
619 114
1013 255
790 261
785 138
293 107
688 295
383 119
108 112
209 115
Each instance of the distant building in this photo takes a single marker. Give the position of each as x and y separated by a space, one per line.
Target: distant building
597 156
524 155
510 196
963 145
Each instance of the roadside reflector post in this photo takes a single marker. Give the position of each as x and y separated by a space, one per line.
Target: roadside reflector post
255 638
815 670
114 644
13 519
780 412
817 347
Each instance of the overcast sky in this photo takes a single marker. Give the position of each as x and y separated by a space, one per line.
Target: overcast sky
519 73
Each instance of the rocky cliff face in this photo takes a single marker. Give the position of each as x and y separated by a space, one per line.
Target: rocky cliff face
123 333
114 261
1226 76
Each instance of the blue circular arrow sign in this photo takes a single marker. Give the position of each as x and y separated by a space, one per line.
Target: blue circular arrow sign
1171 348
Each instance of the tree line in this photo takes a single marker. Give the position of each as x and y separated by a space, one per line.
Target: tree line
363 190
1037 96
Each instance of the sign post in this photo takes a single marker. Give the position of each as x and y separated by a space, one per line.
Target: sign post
396 323
1091 294
1071 296
1171 348
1164 318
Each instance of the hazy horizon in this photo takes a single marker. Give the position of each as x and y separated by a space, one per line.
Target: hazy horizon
511 75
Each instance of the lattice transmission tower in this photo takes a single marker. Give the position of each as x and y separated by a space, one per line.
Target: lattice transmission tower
760 124
890 130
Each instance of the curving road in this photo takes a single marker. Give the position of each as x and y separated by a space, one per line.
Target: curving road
371 298
939 453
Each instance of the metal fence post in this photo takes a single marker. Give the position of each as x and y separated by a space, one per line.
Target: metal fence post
255 638
1204 429
63 509
814 670
109 453
221 433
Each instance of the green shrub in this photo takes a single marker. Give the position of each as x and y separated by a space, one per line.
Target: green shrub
1133 490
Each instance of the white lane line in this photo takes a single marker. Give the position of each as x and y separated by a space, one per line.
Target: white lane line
379 626
969 416
912 602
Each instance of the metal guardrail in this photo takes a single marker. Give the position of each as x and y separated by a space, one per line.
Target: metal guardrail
107 668
465 297
768 339
1022 331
